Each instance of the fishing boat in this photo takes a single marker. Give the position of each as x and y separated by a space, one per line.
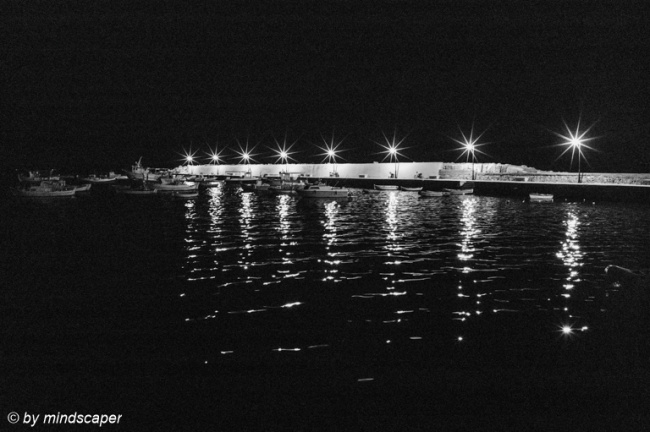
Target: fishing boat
83 188
458 191
208 181
286 186
175 185
386 187
371 191
323 191
410 189
429 193
95 179
46 189
237 178
139 172
36 177
541 197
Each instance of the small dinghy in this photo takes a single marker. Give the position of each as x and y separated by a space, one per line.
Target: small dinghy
428 193
386 187
540 197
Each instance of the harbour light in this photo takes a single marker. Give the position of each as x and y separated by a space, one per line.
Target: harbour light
469 145
575 141
392 151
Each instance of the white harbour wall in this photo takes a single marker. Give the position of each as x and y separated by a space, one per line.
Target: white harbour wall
404 170
370 170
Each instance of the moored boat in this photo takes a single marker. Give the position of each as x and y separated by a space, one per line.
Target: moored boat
371 191
138 172
458 191
410 189
386 187
83 188
239 177
541 197
429 193
46 189
95 179
178 185
323 191
36 177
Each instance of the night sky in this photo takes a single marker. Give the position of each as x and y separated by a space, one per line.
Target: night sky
96 85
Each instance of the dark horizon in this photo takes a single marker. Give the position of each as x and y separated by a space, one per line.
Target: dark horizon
97 86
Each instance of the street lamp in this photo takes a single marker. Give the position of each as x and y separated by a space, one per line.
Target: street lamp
284 156
330 153
575 141
283 153
392 151
393 154
470 149
188 157
470 145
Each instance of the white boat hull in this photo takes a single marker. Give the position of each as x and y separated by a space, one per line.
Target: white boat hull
44 194
541 197
323 192
187 187
83 188
459 191
98 180
425 193
410 189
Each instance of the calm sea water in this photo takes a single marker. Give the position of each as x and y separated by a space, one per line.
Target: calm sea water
294 314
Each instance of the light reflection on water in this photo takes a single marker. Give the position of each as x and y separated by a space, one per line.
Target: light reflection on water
390 264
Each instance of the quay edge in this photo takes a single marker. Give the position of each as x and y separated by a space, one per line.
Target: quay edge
492 179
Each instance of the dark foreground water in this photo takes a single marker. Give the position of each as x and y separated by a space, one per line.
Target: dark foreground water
387 312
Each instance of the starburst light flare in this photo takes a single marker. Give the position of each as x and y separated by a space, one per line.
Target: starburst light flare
575 141
392 150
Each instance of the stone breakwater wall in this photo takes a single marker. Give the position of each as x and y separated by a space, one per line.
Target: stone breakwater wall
424 170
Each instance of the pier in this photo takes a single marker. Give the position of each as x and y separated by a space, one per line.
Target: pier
488 179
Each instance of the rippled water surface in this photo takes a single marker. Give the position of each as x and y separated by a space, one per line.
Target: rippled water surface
243 288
